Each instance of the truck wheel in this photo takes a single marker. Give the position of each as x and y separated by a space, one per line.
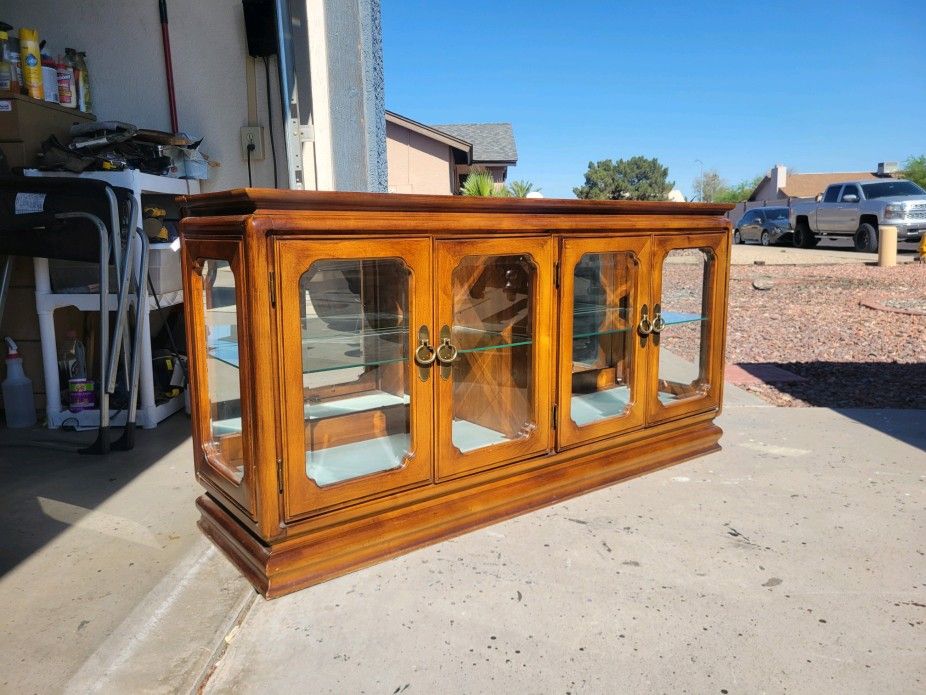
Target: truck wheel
737 238
765 239
866 238
803 237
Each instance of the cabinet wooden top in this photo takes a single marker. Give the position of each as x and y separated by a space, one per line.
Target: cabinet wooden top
245 201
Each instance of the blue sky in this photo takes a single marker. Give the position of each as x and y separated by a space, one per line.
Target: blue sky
819 86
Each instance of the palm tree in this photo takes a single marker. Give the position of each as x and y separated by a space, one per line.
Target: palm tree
520 189
480 183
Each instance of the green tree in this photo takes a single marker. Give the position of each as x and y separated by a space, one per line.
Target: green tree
637 178
479 182
915 170
739 192
520 189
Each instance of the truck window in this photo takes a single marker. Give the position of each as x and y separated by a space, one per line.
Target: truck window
832 193
850 190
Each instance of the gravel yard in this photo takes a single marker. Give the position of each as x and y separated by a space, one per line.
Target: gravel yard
811 323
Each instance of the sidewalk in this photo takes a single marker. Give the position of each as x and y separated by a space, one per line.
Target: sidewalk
791 560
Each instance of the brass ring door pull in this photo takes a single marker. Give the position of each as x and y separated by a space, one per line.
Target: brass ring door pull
658 323
446 352
645 327
424 353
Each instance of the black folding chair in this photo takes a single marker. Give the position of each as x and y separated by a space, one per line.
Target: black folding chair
81 220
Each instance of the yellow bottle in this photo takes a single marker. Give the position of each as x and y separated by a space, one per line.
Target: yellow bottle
31 60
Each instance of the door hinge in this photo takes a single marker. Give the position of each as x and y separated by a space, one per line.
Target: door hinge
280 475
273 290
556 275
554 416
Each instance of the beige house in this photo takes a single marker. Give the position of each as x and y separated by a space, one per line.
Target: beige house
436 159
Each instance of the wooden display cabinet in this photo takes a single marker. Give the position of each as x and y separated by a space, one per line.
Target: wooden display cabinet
373 373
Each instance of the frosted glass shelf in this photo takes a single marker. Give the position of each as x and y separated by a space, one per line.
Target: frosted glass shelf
354 404
339 463
586 408
673 318
468 436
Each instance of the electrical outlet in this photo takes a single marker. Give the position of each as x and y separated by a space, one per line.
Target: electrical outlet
252 135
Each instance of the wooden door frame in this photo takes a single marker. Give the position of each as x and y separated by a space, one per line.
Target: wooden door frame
209 466
302 497
448 253
572 249
712 332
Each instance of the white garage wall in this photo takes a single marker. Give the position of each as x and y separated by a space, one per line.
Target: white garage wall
122 39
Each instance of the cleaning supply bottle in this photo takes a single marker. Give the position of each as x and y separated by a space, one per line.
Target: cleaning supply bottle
18 401
8 82
31 60
67 88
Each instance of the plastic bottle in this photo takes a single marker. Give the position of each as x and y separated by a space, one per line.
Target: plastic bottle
67 87
84 102
31 61
17 391
8 82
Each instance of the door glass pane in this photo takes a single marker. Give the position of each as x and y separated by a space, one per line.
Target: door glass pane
683 361
602 331
355 367
493 332
220 310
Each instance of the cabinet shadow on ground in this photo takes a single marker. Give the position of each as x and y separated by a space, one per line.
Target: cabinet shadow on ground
859 389
46 487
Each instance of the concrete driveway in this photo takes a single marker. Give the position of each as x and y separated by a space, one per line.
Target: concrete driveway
792 561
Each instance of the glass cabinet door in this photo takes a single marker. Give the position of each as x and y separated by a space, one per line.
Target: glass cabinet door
687 324
493 351
357 405
602 379
218 330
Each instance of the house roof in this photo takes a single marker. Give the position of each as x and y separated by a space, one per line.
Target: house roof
811 185
456 143
493 143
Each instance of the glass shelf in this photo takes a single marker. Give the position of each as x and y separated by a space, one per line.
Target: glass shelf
593 309
603 331
469 339
349 327
673 318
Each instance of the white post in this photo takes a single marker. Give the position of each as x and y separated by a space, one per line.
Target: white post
46 317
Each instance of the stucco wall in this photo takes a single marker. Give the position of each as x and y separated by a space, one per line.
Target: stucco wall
122 39
417 164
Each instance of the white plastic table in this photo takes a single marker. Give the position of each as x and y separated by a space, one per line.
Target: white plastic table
46 301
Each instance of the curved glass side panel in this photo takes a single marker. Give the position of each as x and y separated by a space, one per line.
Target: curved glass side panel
683 360
223 447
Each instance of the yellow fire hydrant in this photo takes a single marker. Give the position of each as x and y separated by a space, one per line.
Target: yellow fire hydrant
922 249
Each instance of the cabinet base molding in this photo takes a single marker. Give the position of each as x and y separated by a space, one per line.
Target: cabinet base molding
299 561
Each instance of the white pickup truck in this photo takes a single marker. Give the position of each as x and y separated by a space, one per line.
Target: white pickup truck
857 209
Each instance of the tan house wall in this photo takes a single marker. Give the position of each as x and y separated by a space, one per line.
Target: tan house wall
417 164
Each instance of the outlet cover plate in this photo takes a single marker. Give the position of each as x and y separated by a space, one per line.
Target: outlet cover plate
252 134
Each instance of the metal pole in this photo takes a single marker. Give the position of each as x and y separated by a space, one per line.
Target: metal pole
168 67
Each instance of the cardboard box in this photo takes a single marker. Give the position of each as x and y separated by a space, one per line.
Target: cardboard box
25 123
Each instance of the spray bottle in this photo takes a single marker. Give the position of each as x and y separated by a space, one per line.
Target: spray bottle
31 60
17 391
